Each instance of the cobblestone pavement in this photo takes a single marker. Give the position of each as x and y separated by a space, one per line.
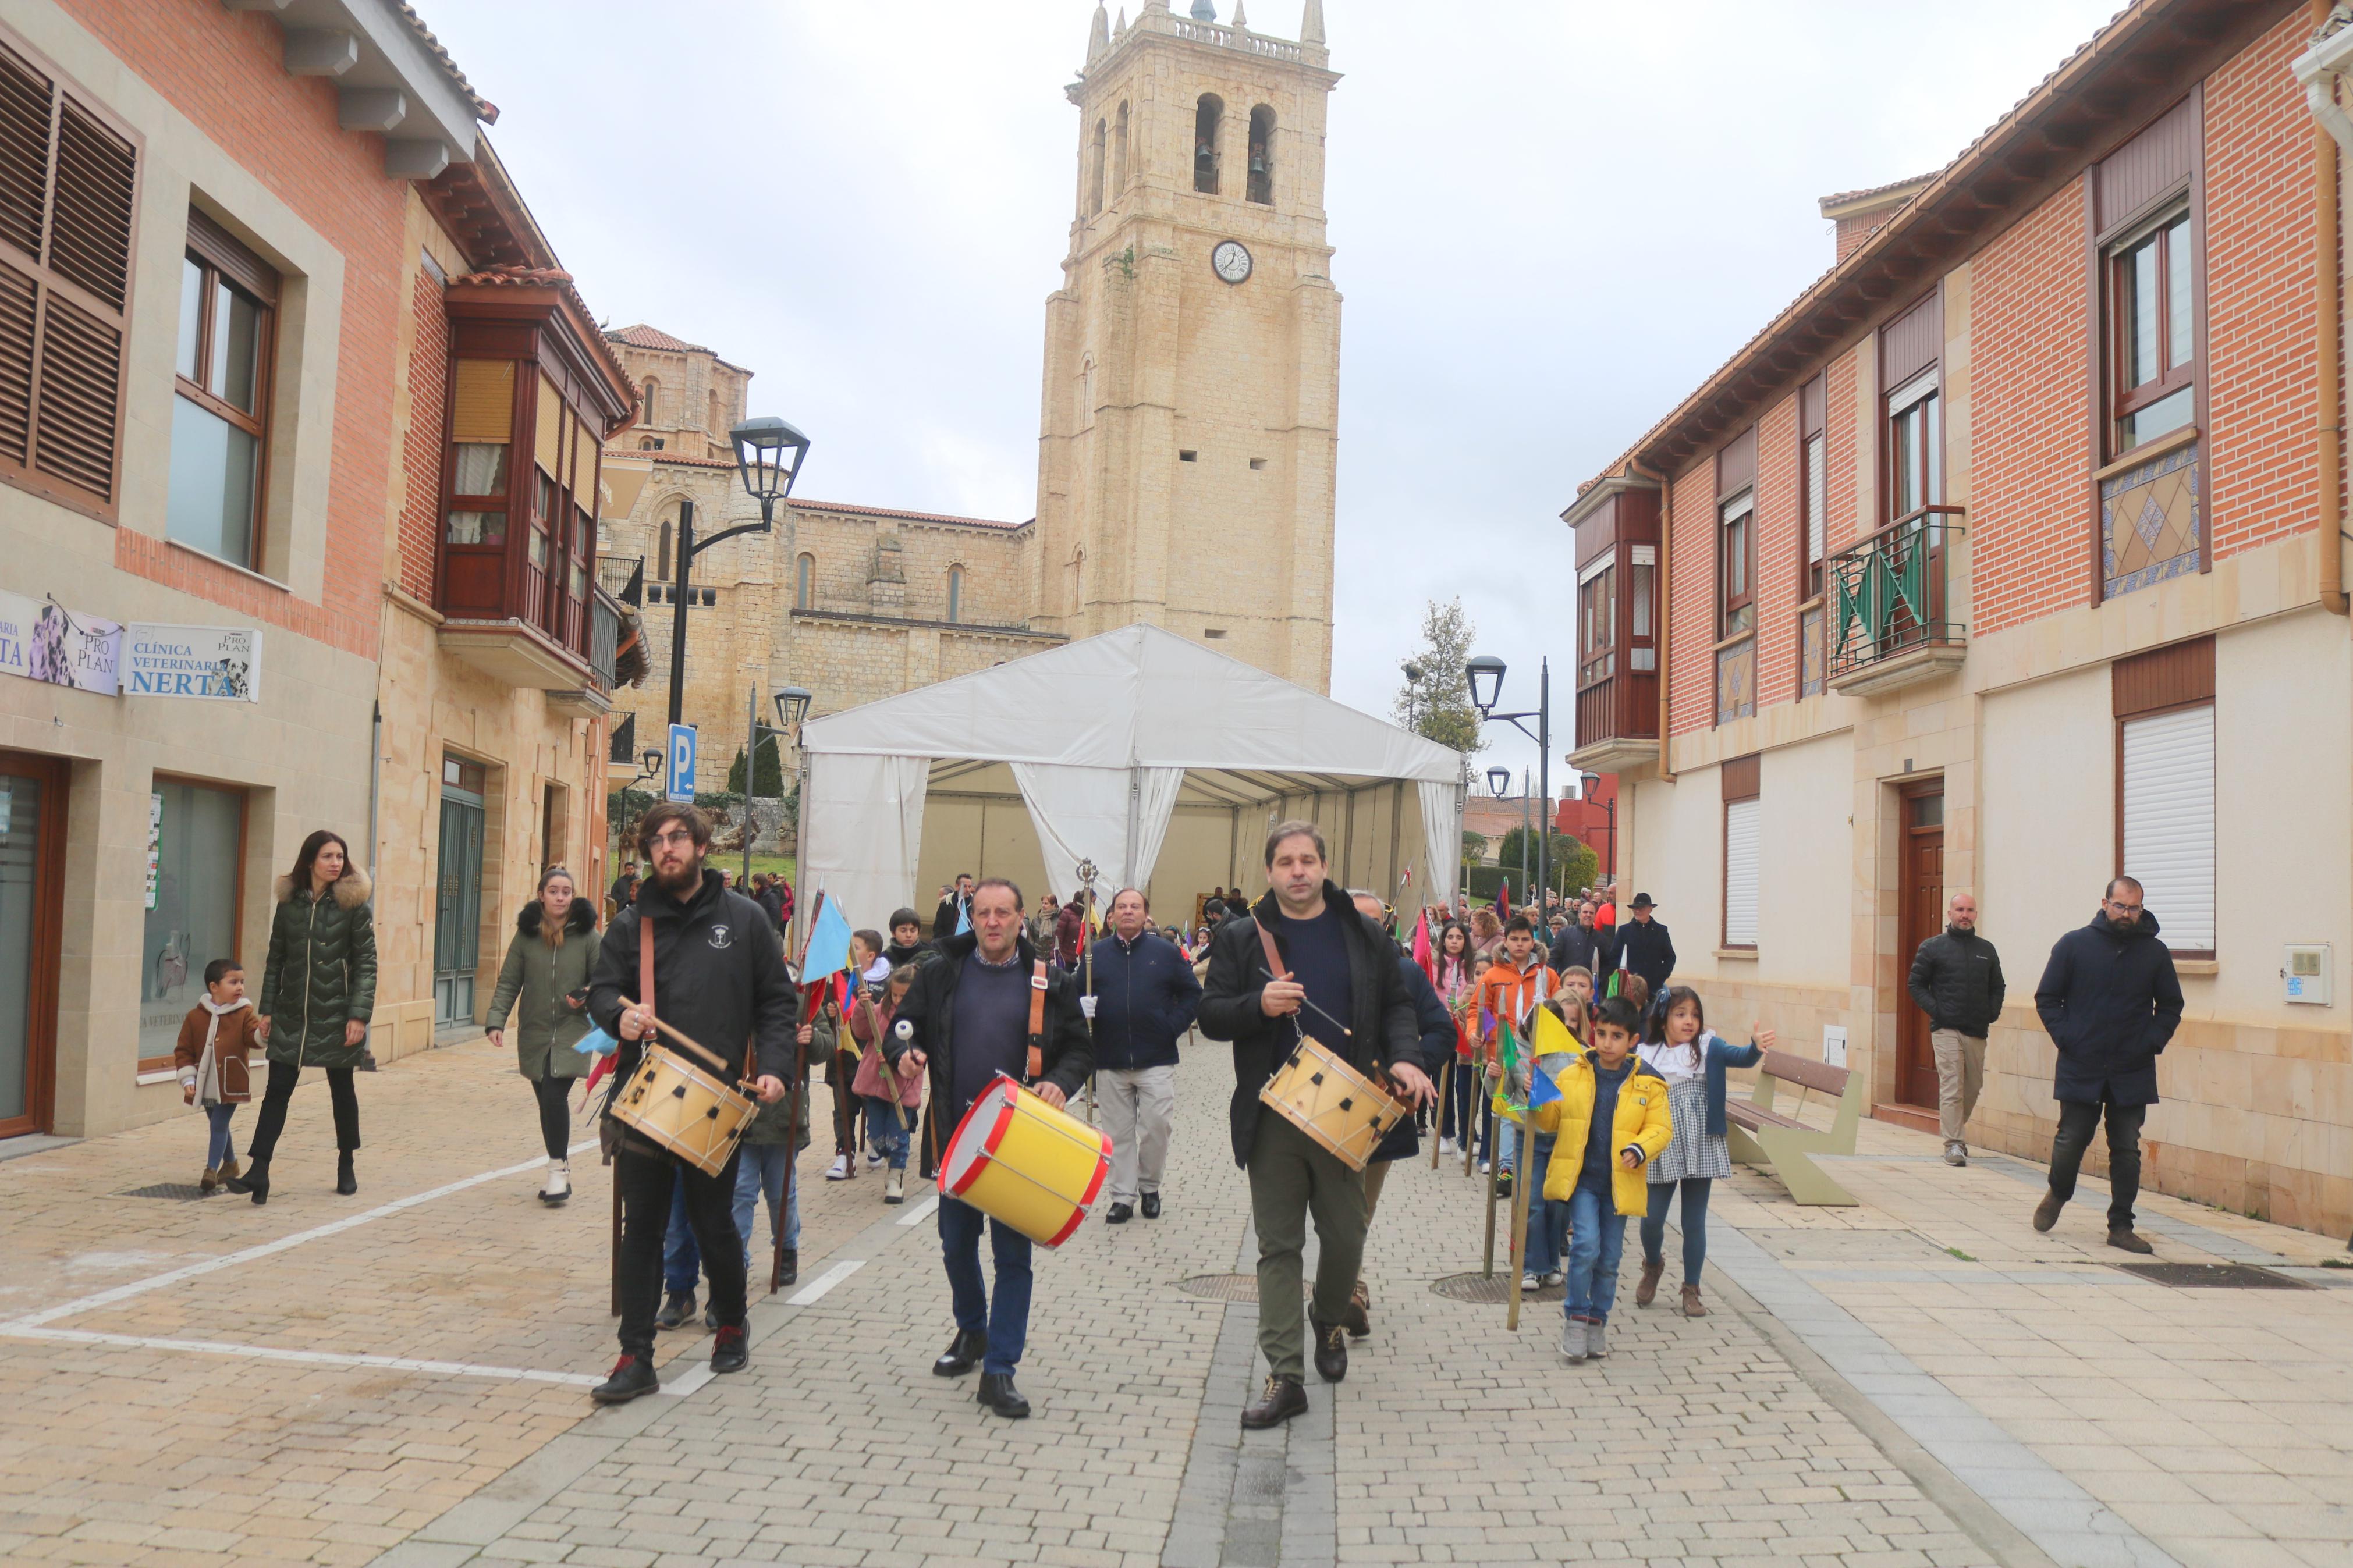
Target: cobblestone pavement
400 1377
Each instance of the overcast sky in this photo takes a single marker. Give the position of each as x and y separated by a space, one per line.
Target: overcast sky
1553 218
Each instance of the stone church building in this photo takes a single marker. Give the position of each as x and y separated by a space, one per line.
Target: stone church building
1186 441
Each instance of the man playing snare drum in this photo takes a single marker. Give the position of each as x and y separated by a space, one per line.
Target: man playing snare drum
720 980
1340 973
967 1020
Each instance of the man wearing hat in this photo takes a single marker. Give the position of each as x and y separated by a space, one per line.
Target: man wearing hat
1643 945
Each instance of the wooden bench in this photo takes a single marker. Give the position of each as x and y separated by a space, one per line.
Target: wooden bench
1759 1135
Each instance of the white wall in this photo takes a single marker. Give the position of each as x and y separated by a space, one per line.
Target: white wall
2046 816
1805 863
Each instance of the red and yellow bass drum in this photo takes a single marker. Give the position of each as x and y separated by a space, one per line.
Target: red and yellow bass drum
1024 1163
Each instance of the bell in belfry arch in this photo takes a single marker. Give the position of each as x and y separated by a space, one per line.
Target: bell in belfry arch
1258 161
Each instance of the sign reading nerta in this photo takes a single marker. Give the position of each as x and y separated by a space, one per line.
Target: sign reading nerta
215 664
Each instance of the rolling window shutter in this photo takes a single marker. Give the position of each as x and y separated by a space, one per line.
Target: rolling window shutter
1740 827
547 449
2168 837
1818 496
483 410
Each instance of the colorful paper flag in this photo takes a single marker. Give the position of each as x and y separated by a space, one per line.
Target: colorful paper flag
1550 1036
829 944
1424 957
964 918
1542 1089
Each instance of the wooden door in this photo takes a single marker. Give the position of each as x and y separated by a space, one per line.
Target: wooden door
1920 916
32 866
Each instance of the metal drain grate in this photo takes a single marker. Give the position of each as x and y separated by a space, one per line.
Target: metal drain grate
2213 1276
1490 1290
177 1192
1222 1287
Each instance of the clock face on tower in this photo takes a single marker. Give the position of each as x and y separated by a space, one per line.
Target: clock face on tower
1230 260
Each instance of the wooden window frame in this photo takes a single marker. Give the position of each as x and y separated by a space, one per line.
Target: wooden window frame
1741 781
2123 401
2168 680
47 280
1601 589
226 261
237 920
1728 605
1931 444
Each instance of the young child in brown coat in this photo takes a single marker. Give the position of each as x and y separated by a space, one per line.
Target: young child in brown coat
211 1055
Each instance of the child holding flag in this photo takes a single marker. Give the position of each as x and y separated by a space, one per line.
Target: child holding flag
1558 1028
1508 991
1608 1114
1681 1049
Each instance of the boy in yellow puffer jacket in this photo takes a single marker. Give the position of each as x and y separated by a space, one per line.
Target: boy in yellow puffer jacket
1609 1121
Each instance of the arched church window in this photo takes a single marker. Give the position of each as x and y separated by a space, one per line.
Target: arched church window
1095 172
1077 572
662 555
955 594
1207 116
653 399
1121 173
805 582
1261 156
718 426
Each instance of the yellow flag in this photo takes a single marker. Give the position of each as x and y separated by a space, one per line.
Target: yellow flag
1549 1035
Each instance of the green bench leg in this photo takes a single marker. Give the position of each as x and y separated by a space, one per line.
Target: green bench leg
1787 1151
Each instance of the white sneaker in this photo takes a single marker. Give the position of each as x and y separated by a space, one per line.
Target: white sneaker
873 1161
839 1170
1555 1278
1530 1282
1597 1341
1482 1167
1445 1146
559 1182
1957 1153
1572 1341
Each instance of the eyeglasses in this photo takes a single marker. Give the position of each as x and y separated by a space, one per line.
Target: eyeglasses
2115 908
678 837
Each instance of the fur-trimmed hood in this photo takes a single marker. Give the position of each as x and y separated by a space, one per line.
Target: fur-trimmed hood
578 921
352 890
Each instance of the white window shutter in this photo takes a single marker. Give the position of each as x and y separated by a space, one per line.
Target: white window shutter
1817 497
2169 821
1740 824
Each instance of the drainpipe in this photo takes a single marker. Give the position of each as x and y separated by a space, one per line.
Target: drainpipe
1666 598
2320 89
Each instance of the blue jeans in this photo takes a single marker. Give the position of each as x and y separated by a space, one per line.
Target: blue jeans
1455 1120
217 1144
1006 1321
760 1168
1654 1223
1547 1220
681 1259
1597 1240
885 1130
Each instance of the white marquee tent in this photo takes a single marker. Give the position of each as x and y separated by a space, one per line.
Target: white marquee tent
1155 758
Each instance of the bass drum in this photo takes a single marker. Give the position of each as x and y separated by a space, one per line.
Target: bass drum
1024 1163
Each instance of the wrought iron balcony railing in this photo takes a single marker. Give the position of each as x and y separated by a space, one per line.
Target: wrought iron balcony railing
1887 594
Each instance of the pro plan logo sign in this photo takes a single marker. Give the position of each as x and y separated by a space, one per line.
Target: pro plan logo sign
722 937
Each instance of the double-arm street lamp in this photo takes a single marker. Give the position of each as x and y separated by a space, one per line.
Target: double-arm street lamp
768 454
1486 675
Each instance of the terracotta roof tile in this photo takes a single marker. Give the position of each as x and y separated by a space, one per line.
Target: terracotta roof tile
642 336
484 109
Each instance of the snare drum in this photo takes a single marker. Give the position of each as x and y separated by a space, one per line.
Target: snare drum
1024 1163
685 1109
1319 1093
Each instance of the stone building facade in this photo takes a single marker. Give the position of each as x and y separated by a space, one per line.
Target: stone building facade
1988 567
1186 441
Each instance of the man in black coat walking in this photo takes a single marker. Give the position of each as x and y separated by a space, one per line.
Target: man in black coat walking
1644 948
1339 983
2110 1002
1145 995
1956 981
967 1019
955 908
1580 946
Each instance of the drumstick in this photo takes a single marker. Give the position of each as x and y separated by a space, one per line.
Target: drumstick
682 1038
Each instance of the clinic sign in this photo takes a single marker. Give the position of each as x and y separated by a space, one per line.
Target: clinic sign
192 664
42 640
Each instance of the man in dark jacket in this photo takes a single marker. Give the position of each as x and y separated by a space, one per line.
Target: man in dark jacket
1956 981
1580 946
1144 996
720 980
955 908
1339 983
2110 1002
967 1020
1643 946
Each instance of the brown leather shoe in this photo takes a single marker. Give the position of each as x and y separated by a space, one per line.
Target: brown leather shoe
1359 1318
1331 1350
1693 1307
1284 1397
2046 1213
1648 1291
2129 1240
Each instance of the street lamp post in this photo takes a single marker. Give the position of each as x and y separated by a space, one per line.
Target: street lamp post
1591 781
768 454
1412 696
1486 675
792 701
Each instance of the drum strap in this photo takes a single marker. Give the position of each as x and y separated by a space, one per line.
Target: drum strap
1036 1063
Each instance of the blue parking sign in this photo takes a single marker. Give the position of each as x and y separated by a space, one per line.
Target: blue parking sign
682 762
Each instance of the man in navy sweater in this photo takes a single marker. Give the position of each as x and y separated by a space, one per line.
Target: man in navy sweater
1142 1002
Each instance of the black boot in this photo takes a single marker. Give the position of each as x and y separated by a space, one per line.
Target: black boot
997 1394
730 1351
1284 1398
791 1274
1331 1350
256 1179
632 1375
345 1181
675 1310
964 1354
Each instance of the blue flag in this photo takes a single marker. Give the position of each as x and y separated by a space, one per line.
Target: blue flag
829 944
964 918
1542 1090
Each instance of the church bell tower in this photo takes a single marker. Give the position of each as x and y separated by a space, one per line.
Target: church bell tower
1187 439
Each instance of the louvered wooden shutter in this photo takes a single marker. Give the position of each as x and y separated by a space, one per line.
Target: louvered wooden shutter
1740 844
2168 837
68 185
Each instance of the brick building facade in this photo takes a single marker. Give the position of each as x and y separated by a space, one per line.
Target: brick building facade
2004 560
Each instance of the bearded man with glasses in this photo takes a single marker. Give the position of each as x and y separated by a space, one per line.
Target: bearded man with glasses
2110 1000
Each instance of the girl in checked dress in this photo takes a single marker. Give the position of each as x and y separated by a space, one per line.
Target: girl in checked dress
1680 1047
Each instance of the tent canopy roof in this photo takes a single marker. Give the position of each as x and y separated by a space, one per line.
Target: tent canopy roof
1139 697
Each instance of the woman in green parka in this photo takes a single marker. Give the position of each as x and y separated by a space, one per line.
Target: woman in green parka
546 975
318 992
